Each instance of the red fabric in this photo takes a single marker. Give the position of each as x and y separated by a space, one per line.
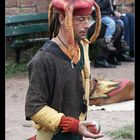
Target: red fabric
32 138
122 85
69 124
85 11
81 7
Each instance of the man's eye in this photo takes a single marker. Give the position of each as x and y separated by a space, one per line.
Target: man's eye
81 19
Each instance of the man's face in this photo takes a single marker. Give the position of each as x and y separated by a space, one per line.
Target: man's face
80 26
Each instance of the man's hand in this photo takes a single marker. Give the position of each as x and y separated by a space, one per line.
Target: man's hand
83 130
117 14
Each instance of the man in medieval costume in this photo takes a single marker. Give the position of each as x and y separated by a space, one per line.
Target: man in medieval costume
59 76
58 93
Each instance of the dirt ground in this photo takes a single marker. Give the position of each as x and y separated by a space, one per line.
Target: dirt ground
17 128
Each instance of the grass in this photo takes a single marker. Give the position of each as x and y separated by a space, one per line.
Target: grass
13 69
124 133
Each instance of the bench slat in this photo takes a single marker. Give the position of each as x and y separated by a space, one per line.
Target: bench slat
23 43
22 25
26 18
26 29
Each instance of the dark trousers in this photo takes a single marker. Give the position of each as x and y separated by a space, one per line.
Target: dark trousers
66 136
129 29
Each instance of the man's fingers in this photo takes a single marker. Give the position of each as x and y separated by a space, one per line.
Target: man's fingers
91 135
87 123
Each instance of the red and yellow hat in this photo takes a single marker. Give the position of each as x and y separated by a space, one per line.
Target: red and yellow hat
72 8
75 7
80 7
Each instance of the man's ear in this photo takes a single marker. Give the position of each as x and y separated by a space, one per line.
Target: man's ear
62 19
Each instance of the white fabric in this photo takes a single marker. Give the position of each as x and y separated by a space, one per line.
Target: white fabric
122 106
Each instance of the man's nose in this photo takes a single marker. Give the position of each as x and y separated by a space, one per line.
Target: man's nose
86 24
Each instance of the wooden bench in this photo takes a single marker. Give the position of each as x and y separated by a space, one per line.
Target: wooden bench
24 30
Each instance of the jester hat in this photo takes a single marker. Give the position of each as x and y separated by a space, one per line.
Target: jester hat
75 7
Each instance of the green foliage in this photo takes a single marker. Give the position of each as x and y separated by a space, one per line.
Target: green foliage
13 69
124 133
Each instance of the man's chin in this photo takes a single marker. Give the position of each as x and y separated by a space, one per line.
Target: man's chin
81 38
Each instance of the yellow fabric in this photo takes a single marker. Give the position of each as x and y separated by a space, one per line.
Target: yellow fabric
48 118
104 87
50 13
36 126
98 23
44 135
85 75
